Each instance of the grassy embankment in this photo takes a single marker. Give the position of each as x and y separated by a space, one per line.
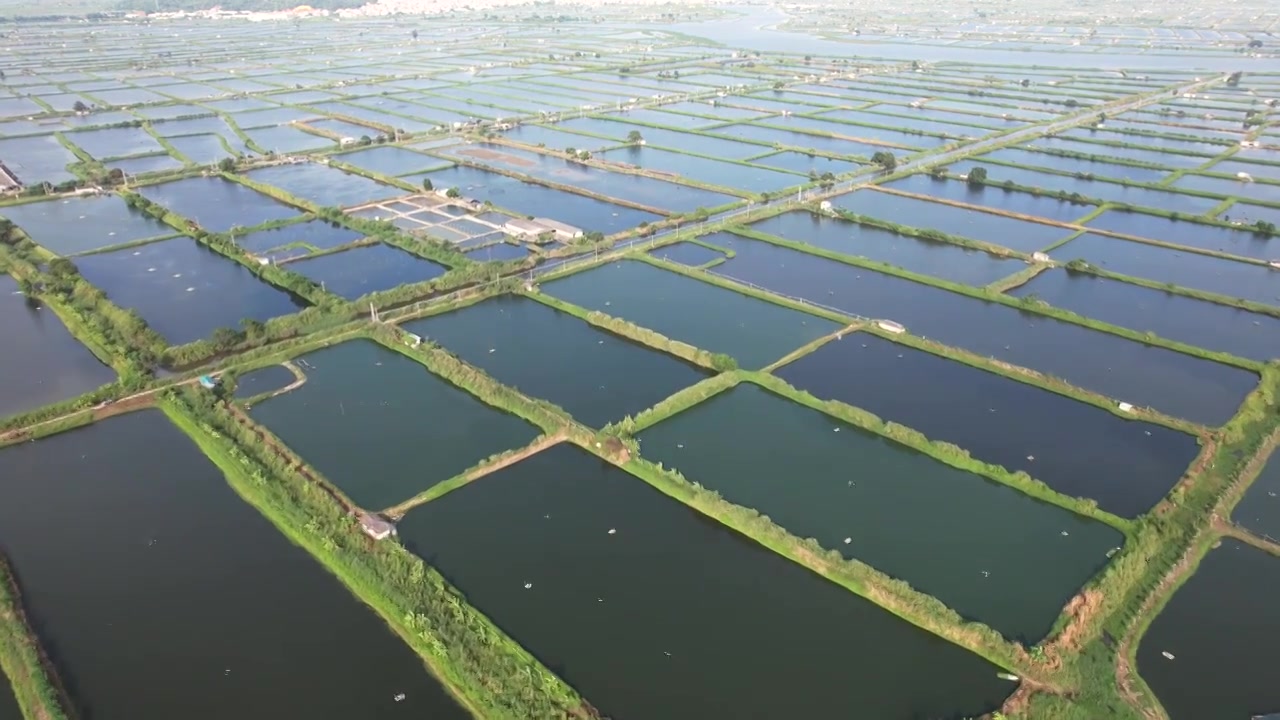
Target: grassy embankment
1097 645
36 687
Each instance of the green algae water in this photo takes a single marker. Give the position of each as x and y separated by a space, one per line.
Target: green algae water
988 551
383 428
652 610
159 594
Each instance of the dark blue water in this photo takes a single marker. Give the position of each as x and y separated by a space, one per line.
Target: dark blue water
1130 465
163 595
674 601
183 290
370 268
927 257
1218 628
1196 322
596 376
1175 383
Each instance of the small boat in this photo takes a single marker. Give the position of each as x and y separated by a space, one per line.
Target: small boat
1008 676
1167 655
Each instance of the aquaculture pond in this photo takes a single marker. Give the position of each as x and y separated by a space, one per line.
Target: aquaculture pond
183 290
1177 317
1178 384
389 160
263 380
364 407
990 552
217 204
1011 200
37 159
687 253
1214 627
807 164
42 362
74 225
498 251
623 590
703 170
752 331
1129 465
1249 281
639 189
773 135
315 234
1010 232
927 257
1076 165
151 526
1186 232
1259 510
597 376
369 268
1152 156
531 199
323 185
1231 187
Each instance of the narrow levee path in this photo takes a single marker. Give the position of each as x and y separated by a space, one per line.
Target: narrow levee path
396 512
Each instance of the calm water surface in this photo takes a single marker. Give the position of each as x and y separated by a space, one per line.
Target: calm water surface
383 428
1259 510
1196 322
752 331
1175 383
1213 627
1129 465
1186 232
74 225
672 615
927 257
973 224
161 578
267 379
183 290
324 185
986 550
1258 283
687 253
371 268
217 204
999 198
597 376
42 362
